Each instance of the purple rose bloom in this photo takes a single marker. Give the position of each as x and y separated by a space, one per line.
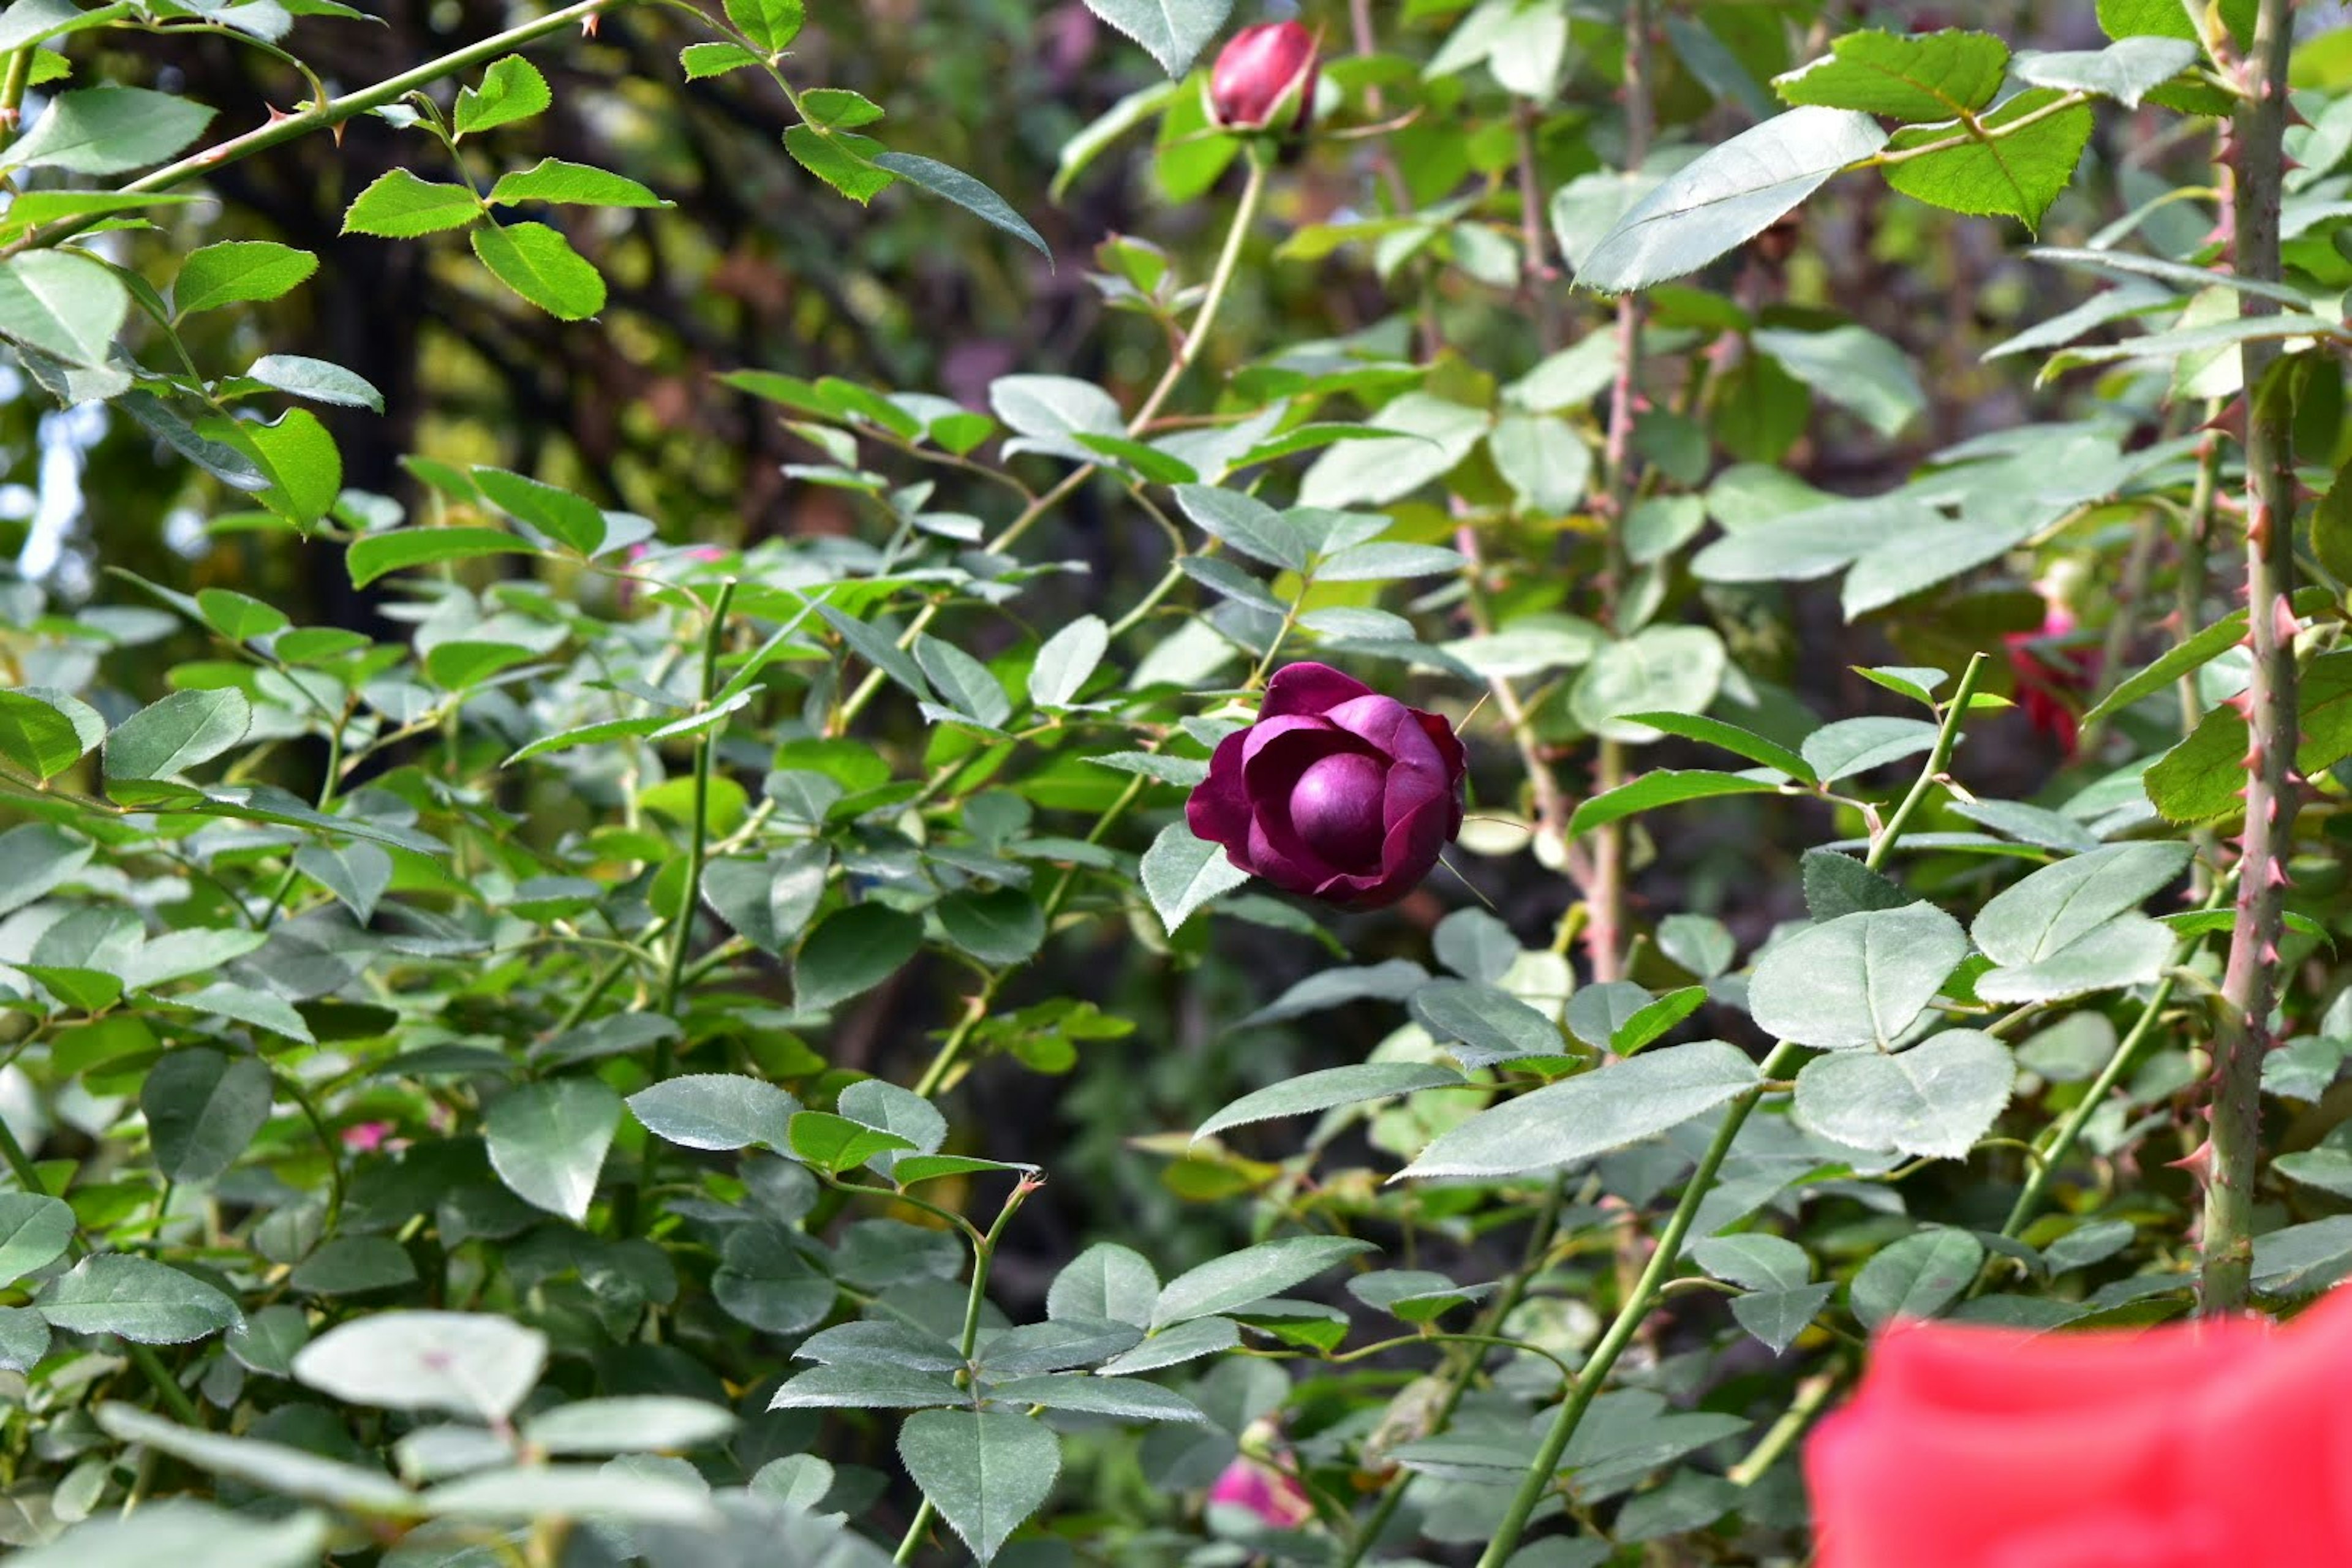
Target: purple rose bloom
1336 792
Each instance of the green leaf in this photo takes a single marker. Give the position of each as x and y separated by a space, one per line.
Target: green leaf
1728 194
1934 1101
186 1534
353 1265
239 272
1753 1260
2303 1259
34 1231
547 1142
2062 902
61 302
271 1467
1352 1085
203 1110
1429 436
248 1006
1185 1341
1920 76
1545 462
762 1282
1591 1113
1665 787
556 181
2010 173
24 1339
319 380
399 206
2125 70
877 1385
468 1363
631 1424
1852 367
984 1470
842 159
1246 523
1650 1022
36 736
1675 668
1121 1398
771 24
528 1494
539 264
1180 872
571 520
2130 950
837 1143
1252 1274
963 682
955 186
1853 746
768 902
239 617
183 730
1730 737
2198 780
377 555
108 130
878 649
1857 981
1174 32
1490 1024
1067 660
2191 653
999 927
298 457
852 951
716 1111
1050 412
701 60
512 90
1776 1317
1917 1276
135 1299
1106 1282
904 1114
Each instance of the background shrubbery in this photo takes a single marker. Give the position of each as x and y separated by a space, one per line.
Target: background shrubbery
609 640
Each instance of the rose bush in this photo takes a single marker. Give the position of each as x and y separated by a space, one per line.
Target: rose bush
1336 792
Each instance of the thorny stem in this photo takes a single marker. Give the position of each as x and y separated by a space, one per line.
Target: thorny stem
1604 939
1261 162
2250 981
2195 532
983 1253
1666 1256
330 113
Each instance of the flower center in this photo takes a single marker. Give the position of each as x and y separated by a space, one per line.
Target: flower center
1336 807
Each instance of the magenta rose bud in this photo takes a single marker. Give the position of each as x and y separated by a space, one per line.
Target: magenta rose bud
1337 792
1265 73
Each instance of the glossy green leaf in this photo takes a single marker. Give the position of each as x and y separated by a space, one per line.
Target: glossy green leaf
134 1299
179 733
512 90
203 1110
1934 1101
1591 1113
538 263
108 130
239 272
547 1142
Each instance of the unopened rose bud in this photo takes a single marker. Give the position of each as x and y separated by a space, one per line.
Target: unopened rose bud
1266 73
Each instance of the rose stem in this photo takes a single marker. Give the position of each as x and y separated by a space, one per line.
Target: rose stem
1604 939
2250 983
1543 1473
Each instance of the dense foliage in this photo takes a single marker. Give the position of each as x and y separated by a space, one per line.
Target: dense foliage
654 645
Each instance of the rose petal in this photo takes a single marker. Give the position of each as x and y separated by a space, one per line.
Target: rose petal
1277 855
1307 688
1218 809
1449 744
